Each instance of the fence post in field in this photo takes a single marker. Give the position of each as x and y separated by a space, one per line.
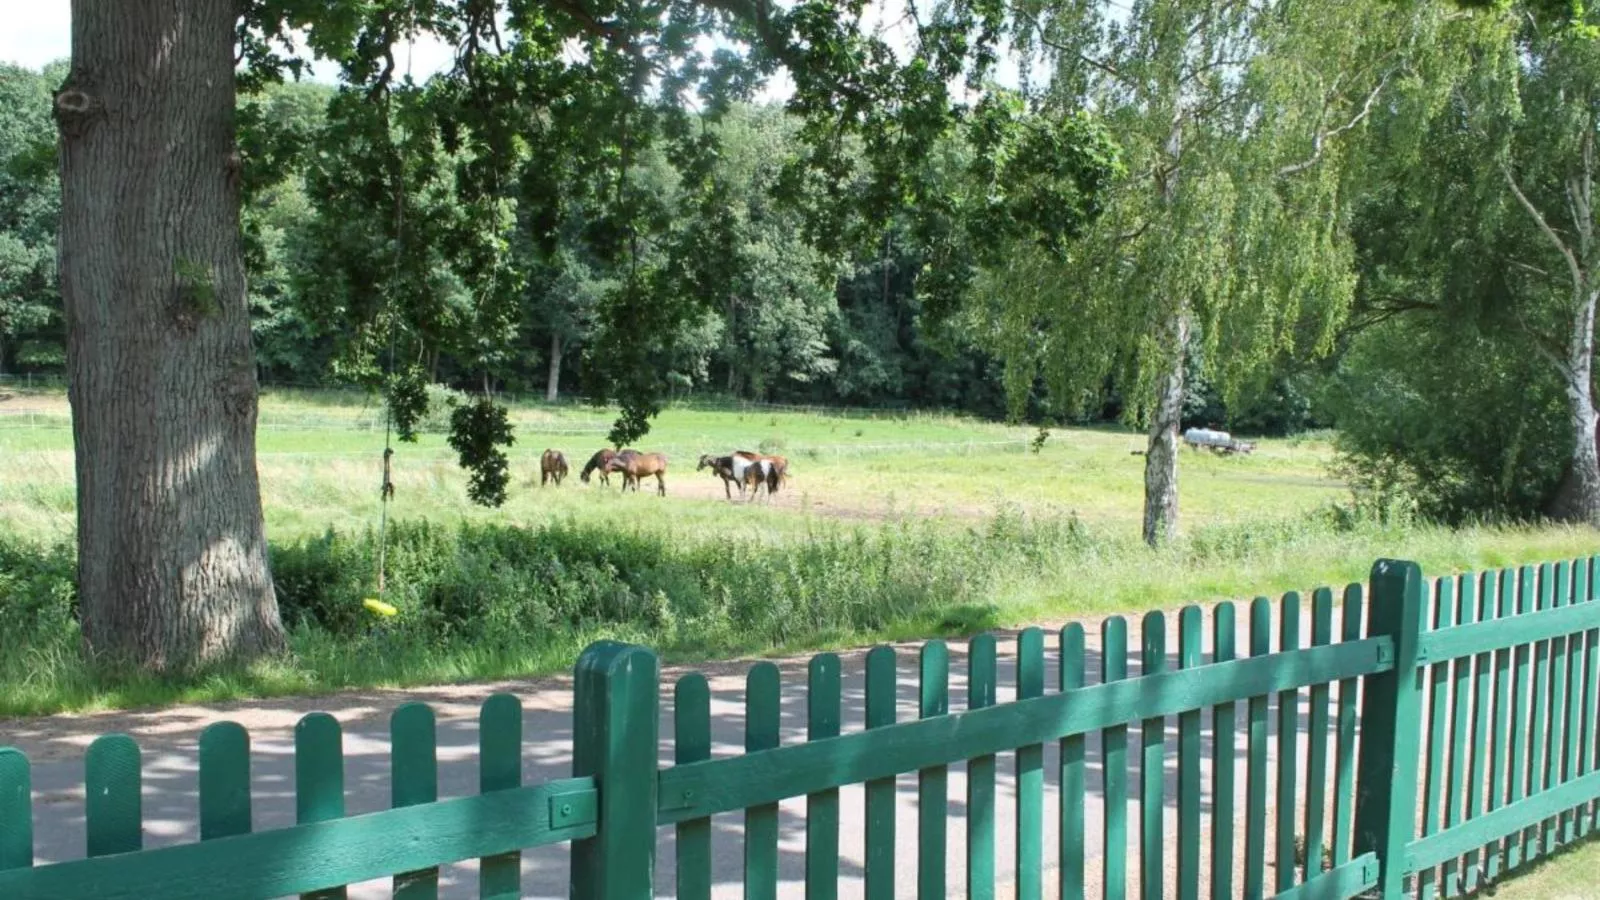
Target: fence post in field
1391 728
615 719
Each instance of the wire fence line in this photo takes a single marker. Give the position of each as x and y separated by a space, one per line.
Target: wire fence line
679 449
709 402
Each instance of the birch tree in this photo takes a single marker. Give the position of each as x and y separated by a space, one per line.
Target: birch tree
1238 122
1501 195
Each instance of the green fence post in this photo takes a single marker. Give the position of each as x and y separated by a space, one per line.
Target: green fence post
616 717
1391 730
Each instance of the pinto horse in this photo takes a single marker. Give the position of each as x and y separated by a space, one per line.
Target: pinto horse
599 461
735 470
635 465
774 469
552 465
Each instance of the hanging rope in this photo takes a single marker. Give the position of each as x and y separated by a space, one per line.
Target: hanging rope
387 489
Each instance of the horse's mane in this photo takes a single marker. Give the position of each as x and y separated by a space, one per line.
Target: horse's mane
596 461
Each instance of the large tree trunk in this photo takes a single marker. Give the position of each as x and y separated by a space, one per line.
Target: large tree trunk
1161 454
172 553
552 389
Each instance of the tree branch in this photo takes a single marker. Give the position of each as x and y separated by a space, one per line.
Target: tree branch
1544 226
608 31
1319 141
1531 268
1542 343
1102 65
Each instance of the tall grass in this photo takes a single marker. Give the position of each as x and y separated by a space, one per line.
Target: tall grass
485 601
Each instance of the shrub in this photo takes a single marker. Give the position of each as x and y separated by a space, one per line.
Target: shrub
509 584
1455 423
38 593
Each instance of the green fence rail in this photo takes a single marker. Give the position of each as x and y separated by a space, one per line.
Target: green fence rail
1406 738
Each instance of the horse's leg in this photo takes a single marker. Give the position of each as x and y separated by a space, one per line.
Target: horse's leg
661 483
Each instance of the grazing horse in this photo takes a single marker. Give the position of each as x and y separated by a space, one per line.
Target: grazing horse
599 461
552 465
774 469
635 465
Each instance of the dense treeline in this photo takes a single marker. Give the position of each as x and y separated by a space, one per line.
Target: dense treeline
790 323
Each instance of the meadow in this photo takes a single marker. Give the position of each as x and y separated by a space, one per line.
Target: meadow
320 462
892 525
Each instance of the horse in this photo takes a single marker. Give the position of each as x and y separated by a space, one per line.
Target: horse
599 461
635 465
722 466
775 469
747 474
552 465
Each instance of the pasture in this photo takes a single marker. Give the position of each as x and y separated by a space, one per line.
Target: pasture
891 526
320 463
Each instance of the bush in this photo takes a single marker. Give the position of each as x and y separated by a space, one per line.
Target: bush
1452 423
38 593
442 402
500 583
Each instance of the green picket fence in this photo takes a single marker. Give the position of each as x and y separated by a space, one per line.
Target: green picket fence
1474 696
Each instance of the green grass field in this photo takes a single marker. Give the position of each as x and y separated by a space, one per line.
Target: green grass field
1568 875
891 526
320 466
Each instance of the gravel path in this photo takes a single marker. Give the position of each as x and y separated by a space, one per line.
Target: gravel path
168 739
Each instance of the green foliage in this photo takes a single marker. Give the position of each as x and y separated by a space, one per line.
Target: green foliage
1496 456
408 401
38 601
1458 399
1230 217
504 584
580 138
478 431
31 328
1037 444
491 601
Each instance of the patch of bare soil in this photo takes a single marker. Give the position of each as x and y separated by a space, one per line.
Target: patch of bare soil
12 402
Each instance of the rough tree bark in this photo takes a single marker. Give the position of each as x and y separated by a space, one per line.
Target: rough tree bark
172 553
552 389
1161 454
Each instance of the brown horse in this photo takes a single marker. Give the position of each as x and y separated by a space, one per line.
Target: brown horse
599 461
635 465
552 465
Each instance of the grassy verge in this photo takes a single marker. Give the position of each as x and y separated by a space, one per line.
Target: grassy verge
492 601
1568 875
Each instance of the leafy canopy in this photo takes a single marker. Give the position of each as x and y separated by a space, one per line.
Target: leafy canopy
571 101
